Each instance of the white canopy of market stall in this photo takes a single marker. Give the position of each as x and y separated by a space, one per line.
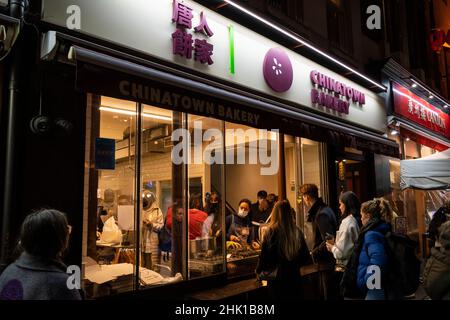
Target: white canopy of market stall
427 173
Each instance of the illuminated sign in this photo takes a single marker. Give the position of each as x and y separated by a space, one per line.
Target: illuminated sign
414 108
333 94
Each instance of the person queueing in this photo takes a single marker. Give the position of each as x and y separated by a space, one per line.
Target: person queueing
343 245
375 216
283 249
436 274
324 225
39 273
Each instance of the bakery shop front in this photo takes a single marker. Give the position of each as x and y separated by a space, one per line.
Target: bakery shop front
182 114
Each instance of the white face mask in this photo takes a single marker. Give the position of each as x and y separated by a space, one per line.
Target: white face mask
242 213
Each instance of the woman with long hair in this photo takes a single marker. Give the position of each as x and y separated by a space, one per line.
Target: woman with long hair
342 246
283 252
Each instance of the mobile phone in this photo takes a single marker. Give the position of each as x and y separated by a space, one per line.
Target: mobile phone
329 236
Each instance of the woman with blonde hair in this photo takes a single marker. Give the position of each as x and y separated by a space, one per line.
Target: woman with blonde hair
369 252
283 252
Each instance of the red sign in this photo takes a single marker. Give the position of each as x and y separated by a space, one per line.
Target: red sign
414 108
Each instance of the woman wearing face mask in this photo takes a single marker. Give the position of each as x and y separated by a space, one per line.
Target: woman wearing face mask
153 221
238 225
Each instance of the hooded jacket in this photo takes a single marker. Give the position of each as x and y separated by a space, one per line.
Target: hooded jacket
373 252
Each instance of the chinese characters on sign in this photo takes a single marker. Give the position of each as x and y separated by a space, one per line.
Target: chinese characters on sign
425 114
411 107
182 42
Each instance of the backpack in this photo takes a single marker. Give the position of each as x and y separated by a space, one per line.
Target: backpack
403 272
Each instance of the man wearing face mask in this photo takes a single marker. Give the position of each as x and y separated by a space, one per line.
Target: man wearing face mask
238 225
152 222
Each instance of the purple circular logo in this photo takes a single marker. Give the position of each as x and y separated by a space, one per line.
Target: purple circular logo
277 70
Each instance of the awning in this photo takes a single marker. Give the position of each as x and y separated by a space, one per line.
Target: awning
113 76
428 138
428 173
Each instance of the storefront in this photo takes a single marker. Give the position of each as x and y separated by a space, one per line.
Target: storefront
419 122
180 103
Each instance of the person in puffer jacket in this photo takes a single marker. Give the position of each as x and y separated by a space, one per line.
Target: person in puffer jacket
437 270
375 221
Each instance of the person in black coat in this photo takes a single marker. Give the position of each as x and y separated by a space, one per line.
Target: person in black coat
284 250
324 226
39 273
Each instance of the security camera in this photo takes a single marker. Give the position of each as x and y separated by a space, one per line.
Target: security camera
9 31
41 125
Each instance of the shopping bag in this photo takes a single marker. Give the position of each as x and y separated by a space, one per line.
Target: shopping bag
111 233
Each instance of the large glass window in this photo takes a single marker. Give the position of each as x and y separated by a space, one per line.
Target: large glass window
171 196
110 197
206 196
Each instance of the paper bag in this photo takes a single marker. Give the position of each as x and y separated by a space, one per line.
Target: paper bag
111 232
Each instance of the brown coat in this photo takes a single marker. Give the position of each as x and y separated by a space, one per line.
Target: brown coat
437 274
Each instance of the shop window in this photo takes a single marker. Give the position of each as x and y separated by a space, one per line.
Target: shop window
412 149
426 151
251 166
128 198
176 216
206 197
109 246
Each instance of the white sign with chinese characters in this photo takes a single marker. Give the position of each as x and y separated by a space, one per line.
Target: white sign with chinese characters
199 39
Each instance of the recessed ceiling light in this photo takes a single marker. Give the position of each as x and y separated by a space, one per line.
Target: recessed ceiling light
394 132
430 96
407 139
414 85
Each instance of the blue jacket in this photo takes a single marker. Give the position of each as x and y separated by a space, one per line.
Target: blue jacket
372 253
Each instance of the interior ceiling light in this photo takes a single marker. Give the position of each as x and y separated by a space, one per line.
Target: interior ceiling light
394 132
303 42
132 113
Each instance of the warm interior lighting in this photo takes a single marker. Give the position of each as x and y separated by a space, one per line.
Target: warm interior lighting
295 38
132 113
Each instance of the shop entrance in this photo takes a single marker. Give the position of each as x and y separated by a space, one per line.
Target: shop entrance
352 173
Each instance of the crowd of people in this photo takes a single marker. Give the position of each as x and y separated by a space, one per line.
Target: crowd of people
353 251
